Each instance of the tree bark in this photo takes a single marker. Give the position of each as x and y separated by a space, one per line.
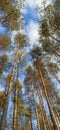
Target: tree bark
4 19
31 127
43 112
54 38
48 101
57 53
3 121
36 111
15 120
15 109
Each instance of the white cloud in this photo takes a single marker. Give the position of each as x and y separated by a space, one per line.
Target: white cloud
32 32
29 2
33 3
13 34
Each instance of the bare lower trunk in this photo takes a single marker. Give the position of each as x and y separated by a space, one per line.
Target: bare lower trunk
48 101
3 121
31 127
15 108
36 110
16 116
55 108
43 111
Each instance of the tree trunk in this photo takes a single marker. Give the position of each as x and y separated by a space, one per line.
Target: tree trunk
54 38
43 112
4 19
54 25
55 108
57 53
15 108
48 101
3 121
36 111
16 117
31 127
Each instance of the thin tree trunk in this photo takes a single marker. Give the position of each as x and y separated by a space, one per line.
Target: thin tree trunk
56 109
36 110
3 121
57 53
43 112
54 25
31 127
15 108
48 101
4 19
54 38
15 119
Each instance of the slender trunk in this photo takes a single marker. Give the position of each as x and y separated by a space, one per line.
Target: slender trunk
54 38
36 110
48 101
31 127
4 19
15 108
3 121
55 108
57 53
16 117
57 114
43 112
54 25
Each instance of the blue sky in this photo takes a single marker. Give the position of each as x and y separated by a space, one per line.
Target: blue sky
2 29
30 14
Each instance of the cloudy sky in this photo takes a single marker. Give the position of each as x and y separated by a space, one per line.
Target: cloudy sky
31 20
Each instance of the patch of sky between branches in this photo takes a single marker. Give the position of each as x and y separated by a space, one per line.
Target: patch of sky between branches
30 14
2 29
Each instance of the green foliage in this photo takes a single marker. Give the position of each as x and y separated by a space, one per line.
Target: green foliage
26 125
48 25
11 14
57 5
8 79
4 58
3 62
17 83
44 28
4 3
36 52
4 42
45 45
20 40
53 67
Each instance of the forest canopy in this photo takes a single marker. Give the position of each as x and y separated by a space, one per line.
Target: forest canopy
29 72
